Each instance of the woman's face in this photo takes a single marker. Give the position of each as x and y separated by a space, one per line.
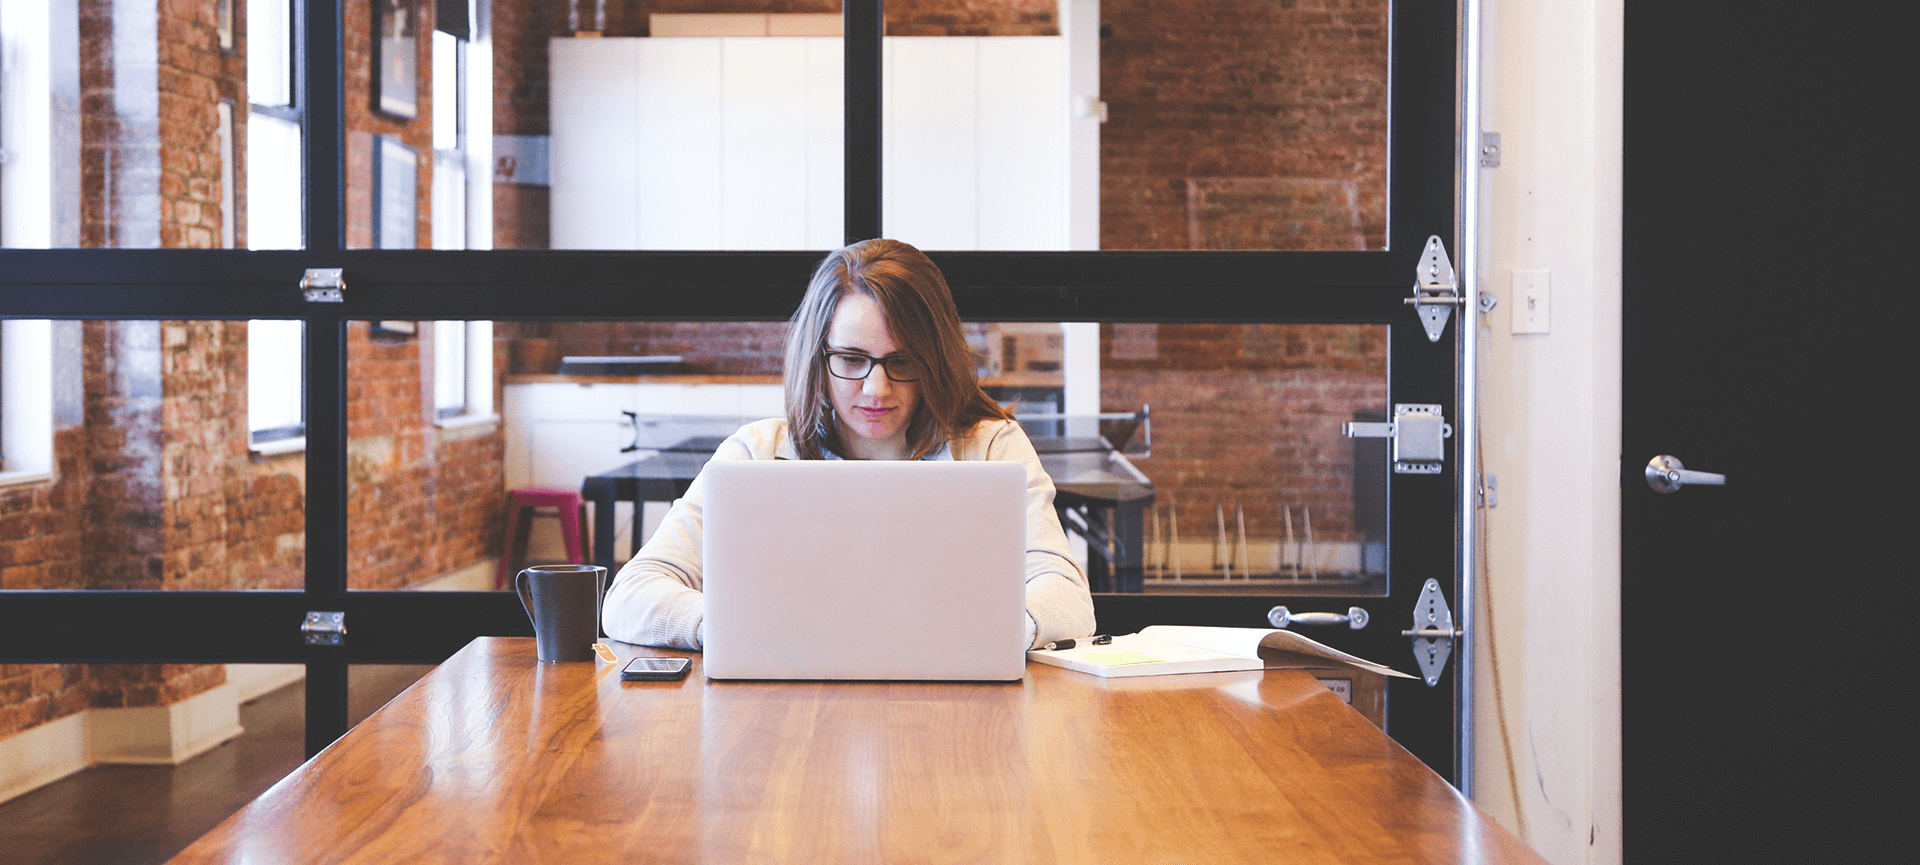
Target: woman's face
871 414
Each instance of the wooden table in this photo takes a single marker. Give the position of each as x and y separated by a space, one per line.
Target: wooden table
495 757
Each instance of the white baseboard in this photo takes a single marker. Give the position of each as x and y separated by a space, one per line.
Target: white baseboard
148 735
252 681
42 755
164 735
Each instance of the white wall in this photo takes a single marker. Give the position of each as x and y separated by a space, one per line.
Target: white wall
1551 406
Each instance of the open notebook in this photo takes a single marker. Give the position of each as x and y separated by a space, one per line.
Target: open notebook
1164 649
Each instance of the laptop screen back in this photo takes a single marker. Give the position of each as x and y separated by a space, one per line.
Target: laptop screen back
901 570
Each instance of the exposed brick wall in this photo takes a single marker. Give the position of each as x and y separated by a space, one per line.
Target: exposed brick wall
364 121
114 686
34 694
232 522
158 490
40 528
121 531
716 348
40 548
119 131
1246 93
520 32
1250 414
417 506
971 18
194 75
150 152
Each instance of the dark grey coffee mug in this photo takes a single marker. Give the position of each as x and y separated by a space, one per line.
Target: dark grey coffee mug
564 603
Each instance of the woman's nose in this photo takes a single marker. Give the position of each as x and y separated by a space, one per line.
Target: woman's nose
876 382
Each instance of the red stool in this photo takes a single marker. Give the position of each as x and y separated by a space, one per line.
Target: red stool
520 510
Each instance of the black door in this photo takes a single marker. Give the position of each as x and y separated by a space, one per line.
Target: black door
1769 227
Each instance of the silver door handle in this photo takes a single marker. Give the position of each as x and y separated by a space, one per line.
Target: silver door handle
1281 617
1666 475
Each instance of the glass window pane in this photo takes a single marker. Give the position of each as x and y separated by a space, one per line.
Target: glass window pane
274 190
449 368
26 400
1138 125
147 142
426 486
155 482
1197 458
429 504
662 131
275 379
269 50
1256 488
446 90
1206 458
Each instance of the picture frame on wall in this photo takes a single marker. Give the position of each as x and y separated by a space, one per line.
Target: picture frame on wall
396 53
396 207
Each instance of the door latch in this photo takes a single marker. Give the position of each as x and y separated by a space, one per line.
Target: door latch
324 628
1433 632
1418 431
1435 291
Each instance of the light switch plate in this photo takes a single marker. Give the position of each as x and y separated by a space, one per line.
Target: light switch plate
1531 301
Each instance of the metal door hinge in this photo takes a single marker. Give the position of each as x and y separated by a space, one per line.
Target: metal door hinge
324 628
324 285
1433 632
1418 432
1489 150
1489 490
1435 291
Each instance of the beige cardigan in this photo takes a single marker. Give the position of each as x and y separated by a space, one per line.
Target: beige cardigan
655 600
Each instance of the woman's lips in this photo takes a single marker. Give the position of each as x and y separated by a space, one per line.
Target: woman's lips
872 413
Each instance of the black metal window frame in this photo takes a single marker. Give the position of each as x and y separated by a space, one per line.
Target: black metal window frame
1109 286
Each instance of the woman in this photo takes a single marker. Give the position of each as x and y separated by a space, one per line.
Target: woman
876 368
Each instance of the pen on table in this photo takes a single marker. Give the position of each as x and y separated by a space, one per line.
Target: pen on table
1057 645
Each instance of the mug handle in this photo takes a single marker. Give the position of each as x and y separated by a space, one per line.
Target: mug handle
526 597
600 604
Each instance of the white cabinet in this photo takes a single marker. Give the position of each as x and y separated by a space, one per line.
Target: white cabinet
735 142
974 142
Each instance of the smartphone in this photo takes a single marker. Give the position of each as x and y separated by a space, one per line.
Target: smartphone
656 669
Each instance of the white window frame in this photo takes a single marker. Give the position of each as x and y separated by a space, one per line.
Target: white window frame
449 214
275 425
26 401
463 373
274 351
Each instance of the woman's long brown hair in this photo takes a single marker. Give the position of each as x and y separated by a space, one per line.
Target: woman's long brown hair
922 320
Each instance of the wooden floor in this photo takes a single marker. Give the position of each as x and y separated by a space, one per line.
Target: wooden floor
130 815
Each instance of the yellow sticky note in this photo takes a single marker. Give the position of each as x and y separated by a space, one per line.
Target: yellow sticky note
1116 659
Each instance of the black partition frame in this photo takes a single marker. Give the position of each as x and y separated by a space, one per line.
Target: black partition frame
1133 286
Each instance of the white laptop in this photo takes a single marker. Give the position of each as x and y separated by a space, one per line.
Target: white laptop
890 570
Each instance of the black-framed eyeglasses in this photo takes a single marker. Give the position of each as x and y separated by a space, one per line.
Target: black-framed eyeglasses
854 366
